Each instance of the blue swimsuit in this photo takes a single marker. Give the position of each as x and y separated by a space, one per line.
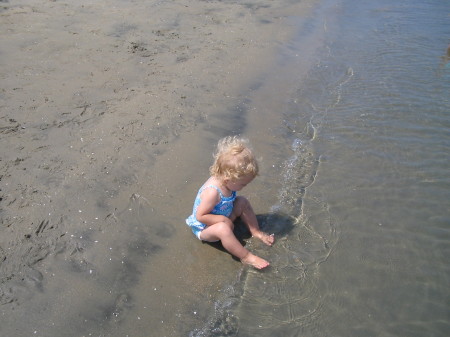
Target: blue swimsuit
224 207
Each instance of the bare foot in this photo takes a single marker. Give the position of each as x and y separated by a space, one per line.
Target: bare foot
255 261
266 238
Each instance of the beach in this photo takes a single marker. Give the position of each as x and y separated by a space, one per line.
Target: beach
109 114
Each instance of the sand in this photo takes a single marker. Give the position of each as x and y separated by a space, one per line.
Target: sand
109 113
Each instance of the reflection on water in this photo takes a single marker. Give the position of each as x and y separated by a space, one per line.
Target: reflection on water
365 187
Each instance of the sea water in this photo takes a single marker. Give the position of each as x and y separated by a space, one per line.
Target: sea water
363 212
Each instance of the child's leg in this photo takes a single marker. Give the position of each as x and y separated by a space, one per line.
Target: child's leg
224 232
243 209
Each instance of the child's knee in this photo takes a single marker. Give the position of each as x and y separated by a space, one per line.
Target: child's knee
224 227
241 202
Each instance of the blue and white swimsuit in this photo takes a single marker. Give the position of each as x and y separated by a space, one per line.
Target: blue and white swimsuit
224 207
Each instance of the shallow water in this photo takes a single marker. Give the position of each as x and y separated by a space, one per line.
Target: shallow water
362 214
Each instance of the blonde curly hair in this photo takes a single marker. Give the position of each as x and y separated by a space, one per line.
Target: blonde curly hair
233 159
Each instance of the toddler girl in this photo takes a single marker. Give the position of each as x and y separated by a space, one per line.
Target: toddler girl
216 206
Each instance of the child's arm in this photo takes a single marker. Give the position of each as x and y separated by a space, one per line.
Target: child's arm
209 199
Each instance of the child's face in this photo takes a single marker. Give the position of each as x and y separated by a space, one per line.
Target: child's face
237 185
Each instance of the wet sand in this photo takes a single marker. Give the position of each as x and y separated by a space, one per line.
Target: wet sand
109 114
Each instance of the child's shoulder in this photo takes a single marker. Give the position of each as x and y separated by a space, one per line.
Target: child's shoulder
212 181
211 187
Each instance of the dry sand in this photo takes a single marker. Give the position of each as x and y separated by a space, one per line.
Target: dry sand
109 113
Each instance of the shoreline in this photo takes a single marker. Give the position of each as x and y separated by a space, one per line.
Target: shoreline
107 109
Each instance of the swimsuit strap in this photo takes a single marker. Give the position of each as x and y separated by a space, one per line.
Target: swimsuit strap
213 186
